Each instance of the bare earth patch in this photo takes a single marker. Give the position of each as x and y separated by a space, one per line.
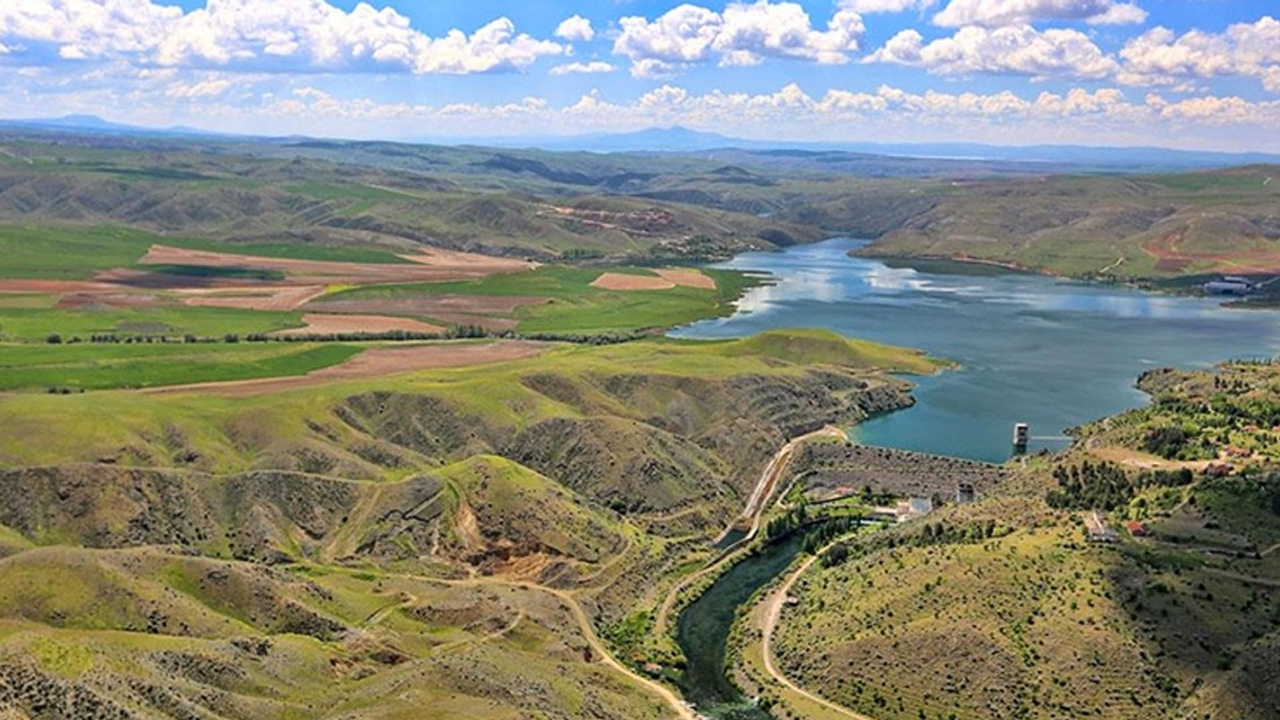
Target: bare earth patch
456 309
9 285
88 301
618 281
324 324
277 299
431 265
687 277
373 363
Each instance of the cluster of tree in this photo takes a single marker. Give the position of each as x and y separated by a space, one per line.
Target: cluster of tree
461 332
1090 486
1167 441
1106 486
785 524
930 534
821 535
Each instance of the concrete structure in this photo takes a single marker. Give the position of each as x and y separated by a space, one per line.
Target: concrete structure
1229 285
913 508
1098 530
965 493
1021 435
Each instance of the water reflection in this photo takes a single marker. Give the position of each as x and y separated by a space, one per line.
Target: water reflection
1049 352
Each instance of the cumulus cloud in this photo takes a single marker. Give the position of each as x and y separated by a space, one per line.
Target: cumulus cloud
869 7
583 68
1016 49
264 35
996 13
1161 57
576 29
1079 114
743 34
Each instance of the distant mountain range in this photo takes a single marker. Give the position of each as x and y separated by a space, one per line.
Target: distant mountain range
682 140
96 125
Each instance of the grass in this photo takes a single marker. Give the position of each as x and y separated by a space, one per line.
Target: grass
24 323
101 367
51 252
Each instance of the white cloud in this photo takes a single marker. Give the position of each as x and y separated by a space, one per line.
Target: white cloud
200 89
744 34
996 13
869 7
576 29
264 35
1160 57
1016 49
583 68
1078 115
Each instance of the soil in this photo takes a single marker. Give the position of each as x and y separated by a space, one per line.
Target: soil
324 324
437 265
618 281
277 299
456 309
687 278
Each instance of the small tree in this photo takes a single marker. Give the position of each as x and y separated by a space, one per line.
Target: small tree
54 339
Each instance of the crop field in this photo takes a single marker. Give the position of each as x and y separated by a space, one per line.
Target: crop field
551 299
100 367
37 324
72 252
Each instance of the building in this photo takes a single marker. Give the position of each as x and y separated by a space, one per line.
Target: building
913 508
966 493
1229 285
1137 529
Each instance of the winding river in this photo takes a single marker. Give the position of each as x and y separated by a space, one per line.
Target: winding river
1034 349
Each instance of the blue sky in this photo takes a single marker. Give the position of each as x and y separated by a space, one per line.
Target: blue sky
1185 73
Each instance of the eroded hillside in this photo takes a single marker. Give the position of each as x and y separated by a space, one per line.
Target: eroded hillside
451 540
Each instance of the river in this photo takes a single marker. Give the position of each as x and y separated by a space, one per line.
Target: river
1049 352
1052 353
704 626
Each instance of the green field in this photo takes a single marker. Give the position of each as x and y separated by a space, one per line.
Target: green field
68 252
100 367
37 323
576 306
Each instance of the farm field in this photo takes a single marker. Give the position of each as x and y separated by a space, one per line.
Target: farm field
94 367
553 299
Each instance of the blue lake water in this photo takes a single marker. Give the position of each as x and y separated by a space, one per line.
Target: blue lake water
1033 349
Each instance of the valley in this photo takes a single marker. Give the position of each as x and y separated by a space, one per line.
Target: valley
316 429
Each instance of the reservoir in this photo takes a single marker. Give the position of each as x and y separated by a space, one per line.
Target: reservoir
1052 353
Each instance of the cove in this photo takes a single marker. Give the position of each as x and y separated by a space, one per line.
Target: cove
1053 353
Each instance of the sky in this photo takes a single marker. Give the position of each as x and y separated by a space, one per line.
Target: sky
1198 74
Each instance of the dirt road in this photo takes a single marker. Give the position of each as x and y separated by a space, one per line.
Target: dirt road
753 511
772 614
674 701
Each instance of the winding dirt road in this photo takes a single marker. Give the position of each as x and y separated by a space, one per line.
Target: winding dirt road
772 614
677 705
753 511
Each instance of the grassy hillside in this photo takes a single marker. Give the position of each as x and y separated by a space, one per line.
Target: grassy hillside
1007 609
441 545
1122 227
